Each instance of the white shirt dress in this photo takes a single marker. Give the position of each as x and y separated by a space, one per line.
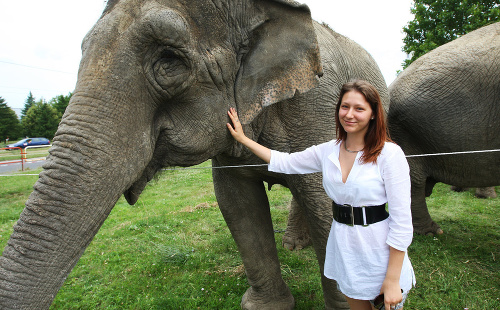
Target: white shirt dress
357 256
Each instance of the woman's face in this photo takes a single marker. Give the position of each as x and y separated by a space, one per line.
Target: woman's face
355 113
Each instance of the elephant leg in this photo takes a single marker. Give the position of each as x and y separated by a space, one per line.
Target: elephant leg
422 221
297 235
316 207
244 205
334 299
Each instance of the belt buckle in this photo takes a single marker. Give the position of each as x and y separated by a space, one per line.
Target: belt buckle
364 217
351 214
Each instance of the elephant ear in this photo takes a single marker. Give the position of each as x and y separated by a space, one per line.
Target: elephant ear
281 57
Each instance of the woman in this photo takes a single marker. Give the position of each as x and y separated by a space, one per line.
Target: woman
362 171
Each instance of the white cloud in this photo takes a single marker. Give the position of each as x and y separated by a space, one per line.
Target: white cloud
375 25
42 34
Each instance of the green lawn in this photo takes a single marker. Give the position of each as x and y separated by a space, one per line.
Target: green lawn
173 250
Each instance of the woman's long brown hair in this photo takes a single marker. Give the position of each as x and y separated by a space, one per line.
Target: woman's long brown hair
377 134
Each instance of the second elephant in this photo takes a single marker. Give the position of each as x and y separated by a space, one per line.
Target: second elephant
448 101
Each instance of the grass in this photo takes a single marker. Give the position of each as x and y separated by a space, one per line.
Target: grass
173 250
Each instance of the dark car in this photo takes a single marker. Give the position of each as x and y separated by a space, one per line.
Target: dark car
30 142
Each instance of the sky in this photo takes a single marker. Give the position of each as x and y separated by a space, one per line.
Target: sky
40 41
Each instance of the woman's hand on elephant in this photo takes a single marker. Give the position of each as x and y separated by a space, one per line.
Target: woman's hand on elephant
236 129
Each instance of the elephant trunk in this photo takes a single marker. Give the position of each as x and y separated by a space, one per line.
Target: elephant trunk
83 178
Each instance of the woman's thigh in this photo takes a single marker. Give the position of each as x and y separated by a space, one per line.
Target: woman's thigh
356 304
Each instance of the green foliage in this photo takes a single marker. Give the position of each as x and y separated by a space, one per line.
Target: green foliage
437 22
41 120
173 250
44 118
30 101
60 103
10 126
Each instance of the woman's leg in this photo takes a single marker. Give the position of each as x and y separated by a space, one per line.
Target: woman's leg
356 304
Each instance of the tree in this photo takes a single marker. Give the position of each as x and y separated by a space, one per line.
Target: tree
27 105
41 120
9 123
437 22
60 103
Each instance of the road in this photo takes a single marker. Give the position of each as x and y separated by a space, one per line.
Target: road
29 164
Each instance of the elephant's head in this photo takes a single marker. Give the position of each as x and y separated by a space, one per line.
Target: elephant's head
155 82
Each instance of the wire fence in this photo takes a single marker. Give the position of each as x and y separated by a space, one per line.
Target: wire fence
264 165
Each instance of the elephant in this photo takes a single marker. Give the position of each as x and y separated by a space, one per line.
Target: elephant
155 82
445 102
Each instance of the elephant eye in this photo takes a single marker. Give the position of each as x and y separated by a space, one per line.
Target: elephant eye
171 70
170 65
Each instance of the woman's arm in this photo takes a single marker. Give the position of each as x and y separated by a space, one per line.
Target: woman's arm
390 287
236 131
306 161
396 177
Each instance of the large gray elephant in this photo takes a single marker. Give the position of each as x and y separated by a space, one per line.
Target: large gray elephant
448 101
156 80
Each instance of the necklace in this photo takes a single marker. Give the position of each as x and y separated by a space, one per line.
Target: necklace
345 147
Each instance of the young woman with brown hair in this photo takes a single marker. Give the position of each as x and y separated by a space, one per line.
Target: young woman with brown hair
362 172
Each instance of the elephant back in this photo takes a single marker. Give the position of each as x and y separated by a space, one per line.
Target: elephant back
439 95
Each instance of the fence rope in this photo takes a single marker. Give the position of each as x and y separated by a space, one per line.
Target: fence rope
221 167
452 153
17 175
263 165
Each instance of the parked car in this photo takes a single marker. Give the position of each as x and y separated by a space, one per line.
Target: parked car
30 142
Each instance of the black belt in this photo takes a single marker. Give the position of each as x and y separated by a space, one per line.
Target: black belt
350 215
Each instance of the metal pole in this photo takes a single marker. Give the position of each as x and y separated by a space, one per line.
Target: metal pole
23 158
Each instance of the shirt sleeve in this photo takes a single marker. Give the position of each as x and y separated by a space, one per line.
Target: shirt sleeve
307 161
396 175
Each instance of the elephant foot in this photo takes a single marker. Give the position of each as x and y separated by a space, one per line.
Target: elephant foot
253 300
429 229
296 241
486 192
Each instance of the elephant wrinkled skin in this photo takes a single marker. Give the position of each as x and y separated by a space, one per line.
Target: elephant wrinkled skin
447 101
156 80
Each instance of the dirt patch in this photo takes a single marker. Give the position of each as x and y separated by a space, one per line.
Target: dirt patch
201 206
